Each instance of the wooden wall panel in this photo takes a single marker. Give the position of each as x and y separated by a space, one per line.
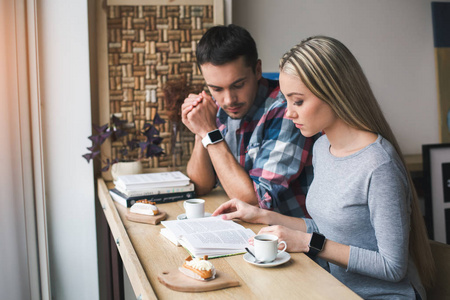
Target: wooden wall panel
147 46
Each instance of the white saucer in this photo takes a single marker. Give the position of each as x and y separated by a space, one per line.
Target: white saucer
281 259
183 216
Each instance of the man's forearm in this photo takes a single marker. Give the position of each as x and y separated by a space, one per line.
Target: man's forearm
234 179
200 169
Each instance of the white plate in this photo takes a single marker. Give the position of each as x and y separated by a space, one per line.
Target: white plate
281 259
183 216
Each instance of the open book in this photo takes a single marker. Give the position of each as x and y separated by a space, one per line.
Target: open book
208 236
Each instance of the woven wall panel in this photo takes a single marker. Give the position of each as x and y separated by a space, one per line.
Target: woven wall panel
147 46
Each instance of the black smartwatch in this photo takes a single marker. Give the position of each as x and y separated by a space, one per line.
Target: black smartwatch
316 244
212 137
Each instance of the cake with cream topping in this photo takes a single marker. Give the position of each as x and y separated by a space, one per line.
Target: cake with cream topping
198 268
144 208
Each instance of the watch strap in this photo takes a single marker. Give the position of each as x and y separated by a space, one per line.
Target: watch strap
316 244
212 137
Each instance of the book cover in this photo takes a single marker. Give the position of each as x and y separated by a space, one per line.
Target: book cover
148 180
210 236
158 199
156 190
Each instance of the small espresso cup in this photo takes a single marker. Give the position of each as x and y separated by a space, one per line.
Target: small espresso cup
266 247
195 208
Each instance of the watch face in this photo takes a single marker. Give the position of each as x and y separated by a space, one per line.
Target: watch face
317 241
215 136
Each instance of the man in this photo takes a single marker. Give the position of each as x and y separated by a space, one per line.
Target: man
241 136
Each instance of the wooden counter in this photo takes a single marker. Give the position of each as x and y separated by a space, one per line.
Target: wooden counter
146 254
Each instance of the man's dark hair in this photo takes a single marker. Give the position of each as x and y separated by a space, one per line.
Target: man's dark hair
223 44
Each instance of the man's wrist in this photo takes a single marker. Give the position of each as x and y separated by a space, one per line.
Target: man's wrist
204 132
212 137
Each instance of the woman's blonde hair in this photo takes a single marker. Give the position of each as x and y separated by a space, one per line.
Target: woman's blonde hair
331 72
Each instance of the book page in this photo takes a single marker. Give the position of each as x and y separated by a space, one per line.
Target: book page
166 233
225 239
184 227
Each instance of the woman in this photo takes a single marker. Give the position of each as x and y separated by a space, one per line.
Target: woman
364 209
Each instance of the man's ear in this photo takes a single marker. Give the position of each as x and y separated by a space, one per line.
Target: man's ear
258 69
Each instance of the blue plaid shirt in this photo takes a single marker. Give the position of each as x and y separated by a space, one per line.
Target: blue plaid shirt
273 151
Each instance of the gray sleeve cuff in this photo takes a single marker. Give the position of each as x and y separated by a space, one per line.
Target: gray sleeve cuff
310 226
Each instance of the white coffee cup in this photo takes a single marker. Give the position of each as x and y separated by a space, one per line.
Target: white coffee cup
195 208
266 247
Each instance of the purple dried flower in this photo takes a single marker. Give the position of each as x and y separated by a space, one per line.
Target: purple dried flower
120 128
89 156
157 120
100 129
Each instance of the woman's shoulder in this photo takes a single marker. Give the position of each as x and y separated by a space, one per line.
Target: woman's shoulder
384 153
385 149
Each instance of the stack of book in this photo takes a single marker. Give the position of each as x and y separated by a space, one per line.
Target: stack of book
156 187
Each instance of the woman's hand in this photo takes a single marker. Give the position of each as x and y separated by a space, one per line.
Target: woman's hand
296 240
237 209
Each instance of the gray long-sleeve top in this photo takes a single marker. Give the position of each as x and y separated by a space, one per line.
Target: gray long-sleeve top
363 200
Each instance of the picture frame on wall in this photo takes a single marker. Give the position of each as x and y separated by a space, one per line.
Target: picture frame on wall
436 171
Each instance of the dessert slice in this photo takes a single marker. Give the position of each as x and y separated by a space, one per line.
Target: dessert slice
198 268
144 207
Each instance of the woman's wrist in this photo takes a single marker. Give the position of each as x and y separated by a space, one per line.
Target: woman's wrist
305 241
